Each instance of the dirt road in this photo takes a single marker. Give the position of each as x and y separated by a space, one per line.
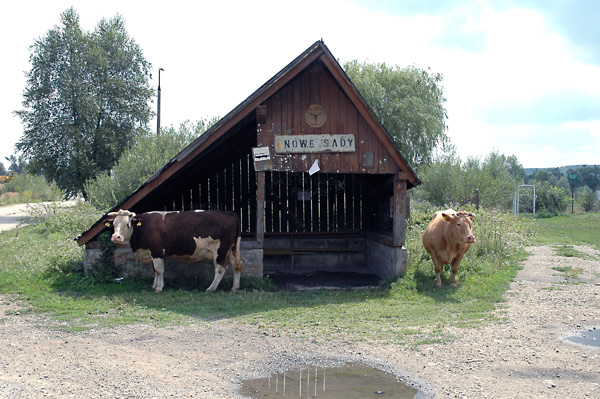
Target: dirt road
12 215
521 355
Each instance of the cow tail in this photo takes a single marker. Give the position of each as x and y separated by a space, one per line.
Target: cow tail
238 256
238 248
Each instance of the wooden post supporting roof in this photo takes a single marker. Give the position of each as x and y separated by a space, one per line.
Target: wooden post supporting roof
399 227
260 207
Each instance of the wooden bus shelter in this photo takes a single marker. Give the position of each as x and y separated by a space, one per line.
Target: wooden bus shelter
317 181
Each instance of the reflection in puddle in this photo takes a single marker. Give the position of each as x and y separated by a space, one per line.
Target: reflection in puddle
588 337
350 381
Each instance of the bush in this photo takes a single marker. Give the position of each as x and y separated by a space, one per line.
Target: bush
30 188
147 155
56 218
586 198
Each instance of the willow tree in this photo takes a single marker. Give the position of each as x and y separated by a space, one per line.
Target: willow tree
86 97
409 102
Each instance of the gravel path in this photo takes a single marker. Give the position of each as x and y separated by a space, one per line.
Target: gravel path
522 355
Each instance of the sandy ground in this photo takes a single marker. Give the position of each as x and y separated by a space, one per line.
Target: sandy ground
522 355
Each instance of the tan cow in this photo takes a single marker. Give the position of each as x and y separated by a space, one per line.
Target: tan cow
447 238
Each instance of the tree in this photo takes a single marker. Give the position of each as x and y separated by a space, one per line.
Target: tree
409 102
16 164
136 164
86 97
590 176
546 175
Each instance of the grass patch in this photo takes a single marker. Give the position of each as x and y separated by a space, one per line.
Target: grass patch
569 229
42 266
570 252
569 272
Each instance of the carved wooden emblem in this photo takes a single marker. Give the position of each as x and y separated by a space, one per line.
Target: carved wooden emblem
315 115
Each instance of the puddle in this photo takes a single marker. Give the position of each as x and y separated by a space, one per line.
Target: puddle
589 337
350 381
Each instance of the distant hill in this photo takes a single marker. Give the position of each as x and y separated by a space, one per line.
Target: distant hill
563 169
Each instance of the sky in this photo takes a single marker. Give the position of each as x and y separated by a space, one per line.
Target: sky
521 77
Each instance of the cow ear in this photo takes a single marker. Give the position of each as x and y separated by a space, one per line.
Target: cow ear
108 222
137 222
446 217
471 215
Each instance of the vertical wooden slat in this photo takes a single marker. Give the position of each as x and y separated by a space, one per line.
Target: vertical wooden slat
245 205
213 194
268 211
203 188
323 202
276 202
363 143
196 195
352 162
331 203
237 187
260 210
349 192
356 201
253 192
283 184
316 225
340 202
221 191
299 203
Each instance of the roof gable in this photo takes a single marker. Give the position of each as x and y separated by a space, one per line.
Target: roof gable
319 53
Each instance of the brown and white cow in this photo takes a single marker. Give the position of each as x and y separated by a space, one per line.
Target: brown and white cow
447 238
190 236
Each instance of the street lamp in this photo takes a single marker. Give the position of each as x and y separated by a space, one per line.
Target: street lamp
158 110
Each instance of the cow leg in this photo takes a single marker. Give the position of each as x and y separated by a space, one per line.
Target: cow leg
437 264
219 273
236 265
454 268
159 269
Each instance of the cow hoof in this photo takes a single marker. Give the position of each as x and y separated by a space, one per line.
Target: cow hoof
453 285
158 289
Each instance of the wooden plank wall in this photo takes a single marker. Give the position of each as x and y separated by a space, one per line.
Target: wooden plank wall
286 116
297 202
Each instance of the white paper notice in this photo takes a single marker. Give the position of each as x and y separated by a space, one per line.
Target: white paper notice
314 168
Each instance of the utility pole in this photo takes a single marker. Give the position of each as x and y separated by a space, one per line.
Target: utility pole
158 102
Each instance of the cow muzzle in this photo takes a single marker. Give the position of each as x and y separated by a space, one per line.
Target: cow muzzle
470 239
116 238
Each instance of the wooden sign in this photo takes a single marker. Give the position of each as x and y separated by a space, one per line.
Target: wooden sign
315 143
